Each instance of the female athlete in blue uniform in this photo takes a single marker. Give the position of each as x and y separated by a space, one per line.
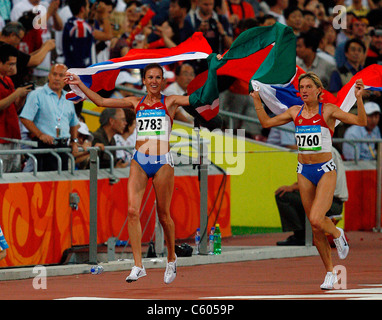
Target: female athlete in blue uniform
152 159
314 123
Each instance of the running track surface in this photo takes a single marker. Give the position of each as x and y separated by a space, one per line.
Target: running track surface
288 278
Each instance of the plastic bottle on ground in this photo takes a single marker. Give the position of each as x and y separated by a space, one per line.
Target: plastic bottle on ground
218 240
211 241
96 269
197 241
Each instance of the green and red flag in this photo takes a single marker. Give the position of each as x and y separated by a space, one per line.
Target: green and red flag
265 54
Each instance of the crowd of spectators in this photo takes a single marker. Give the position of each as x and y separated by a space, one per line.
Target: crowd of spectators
78 33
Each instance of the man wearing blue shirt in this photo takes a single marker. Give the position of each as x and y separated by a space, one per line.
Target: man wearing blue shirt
364 151
51 119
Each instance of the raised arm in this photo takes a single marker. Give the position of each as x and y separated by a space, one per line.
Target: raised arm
38 56
129 102
265 120
175 100
359 119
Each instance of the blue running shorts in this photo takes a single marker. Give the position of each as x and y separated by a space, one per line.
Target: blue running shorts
314 172
152 163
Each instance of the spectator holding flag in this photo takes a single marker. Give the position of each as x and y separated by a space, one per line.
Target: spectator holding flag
316 170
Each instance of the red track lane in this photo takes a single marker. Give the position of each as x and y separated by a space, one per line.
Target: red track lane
275 277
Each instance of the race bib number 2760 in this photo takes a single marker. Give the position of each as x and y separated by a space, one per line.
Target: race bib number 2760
309 138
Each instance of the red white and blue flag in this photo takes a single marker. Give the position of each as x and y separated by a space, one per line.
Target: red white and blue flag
279 97
103 75
263 56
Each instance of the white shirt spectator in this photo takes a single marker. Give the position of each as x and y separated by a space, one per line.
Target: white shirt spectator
23 6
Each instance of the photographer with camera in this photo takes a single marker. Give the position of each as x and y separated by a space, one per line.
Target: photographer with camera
11 101
215 27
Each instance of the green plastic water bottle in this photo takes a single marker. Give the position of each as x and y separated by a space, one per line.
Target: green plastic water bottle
218 240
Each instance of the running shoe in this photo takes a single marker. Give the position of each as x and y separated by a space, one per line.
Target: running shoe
342 245
135 274
170 273
330 280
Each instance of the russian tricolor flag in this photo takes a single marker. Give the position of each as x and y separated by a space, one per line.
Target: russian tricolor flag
279 97
103 75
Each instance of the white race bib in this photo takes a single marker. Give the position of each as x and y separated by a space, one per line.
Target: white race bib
329 166
151 123
309 138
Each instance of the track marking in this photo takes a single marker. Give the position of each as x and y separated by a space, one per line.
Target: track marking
91 298
374 292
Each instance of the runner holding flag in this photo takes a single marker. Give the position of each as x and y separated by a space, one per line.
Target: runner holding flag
314 122
152 159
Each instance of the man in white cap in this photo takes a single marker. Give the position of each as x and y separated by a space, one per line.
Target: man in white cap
363 151
84 133
85 139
